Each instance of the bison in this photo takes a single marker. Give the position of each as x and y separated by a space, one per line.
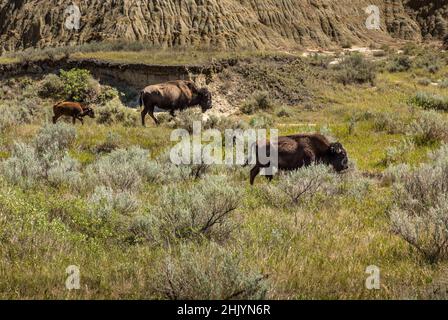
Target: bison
72 109
301 150
172 96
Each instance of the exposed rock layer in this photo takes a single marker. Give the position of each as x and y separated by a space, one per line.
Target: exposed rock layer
219 23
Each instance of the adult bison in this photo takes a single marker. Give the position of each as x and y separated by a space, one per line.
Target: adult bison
172 96
300 150
74 110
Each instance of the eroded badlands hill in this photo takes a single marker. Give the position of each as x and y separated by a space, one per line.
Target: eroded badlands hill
221 23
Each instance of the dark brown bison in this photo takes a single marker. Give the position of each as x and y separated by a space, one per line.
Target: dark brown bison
72 109
172 96
301 150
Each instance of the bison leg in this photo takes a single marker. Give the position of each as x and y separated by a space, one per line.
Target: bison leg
309 158
74 120
81 119
144 113
253 174
151 113
55 119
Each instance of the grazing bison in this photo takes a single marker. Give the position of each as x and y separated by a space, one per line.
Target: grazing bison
172 96
72 109
301 150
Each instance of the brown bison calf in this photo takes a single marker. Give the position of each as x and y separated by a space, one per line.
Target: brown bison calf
301 150
72 109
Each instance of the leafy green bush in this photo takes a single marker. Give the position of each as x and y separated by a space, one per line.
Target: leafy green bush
429 101
355 69
79 85
208 273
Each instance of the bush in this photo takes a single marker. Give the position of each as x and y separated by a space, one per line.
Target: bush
184 119
79 85
283 113
389 122
115 113
105 201
8 117
65 171
172 173
58 137
429 101
400 63
18 113
355 69
424 82
111 143
201 211
395 154
260 100
428 128
209 273
298 186
430 61
444 83
45 160
261 122
107 94
122 170
52 87
420 211
23 168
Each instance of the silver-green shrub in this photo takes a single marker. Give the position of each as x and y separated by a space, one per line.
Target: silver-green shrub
420 211
46 160
202 210
105 201
298 186
114 112
428 128
123 169
209 272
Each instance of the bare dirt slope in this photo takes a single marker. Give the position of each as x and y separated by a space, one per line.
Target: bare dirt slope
221 23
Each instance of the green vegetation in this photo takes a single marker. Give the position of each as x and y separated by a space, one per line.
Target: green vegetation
105 196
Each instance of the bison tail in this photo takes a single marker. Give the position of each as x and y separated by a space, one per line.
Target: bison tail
140 99
252 157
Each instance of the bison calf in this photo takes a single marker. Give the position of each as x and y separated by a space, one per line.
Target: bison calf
301 150
72 109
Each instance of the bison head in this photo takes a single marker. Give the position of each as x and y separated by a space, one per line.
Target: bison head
205 99
338 157
89 112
